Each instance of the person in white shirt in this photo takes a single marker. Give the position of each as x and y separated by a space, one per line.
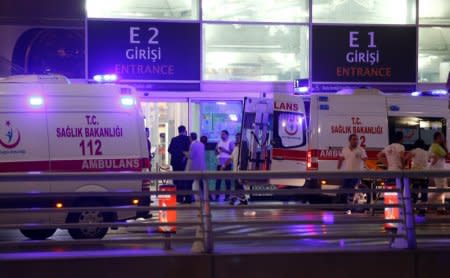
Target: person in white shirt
238 166
223 150
419 161
394 154
351 159
196 160
196 155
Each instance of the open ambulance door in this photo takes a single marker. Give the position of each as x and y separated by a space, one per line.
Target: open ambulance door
257 135
289 144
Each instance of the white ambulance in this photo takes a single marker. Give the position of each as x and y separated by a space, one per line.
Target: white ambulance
374 117
50 125
301 133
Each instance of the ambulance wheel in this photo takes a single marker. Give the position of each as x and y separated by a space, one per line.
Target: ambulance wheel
87 217
38 234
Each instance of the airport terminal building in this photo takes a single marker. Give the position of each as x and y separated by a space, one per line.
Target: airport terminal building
194 61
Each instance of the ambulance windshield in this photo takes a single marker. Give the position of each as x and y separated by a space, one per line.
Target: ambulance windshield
290 131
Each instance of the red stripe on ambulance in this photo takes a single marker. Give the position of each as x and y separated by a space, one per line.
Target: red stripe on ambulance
288 154
86 165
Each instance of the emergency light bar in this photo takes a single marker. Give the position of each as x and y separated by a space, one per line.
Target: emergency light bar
440 92
105 78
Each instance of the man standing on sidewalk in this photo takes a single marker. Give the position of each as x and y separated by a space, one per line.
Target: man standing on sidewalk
178 148
352 158
223 150
394 154
196 161
238 159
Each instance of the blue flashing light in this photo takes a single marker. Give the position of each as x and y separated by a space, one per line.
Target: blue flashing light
105 78
416 94
303 89
98 78
439 92
36 101
110 77
127 101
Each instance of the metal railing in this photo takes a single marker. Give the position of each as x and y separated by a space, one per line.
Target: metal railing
405 235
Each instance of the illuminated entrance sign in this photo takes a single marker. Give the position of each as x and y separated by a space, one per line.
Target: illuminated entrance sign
364 54
144 50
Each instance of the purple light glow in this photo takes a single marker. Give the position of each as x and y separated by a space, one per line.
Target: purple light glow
328 218
127 101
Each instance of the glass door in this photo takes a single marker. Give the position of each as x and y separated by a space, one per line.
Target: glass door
210 117
162 120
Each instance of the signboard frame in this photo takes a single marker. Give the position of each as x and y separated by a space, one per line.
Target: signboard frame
180 23
361 40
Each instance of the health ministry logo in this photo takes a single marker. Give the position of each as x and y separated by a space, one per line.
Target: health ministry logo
9 135
290 124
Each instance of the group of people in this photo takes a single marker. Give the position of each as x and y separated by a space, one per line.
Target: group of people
189 154
352 158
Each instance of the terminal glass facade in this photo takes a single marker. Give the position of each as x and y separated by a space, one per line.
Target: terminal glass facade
255 52
268 40
141 9
365 11
434 12
256 10
434 54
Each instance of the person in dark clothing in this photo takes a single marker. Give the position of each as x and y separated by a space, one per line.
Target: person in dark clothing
149 147
204 140
238 159
178 149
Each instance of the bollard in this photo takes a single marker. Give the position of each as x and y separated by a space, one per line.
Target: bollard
208 243
167 242
169 200
166 216
409 215
198 245
391 213
400 242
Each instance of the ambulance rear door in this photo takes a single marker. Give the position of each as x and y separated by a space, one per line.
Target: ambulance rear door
23 148
289 144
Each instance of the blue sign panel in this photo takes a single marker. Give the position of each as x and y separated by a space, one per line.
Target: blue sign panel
370 54
144 50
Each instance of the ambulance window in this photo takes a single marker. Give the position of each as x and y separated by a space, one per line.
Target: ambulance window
414 128
289 130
